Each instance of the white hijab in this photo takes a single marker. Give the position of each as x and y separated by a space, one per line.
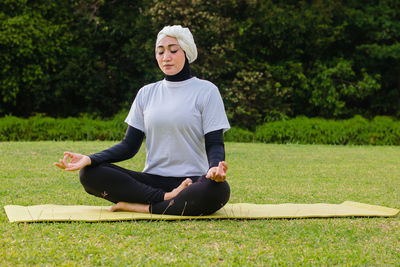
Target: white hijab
184 37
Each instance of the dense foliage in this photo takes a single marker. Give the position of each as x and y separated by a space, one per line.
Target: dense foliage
355 131
381 130
270 59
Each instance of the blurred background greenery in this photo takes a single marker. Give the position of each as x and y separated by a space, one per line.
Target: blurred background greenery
272 60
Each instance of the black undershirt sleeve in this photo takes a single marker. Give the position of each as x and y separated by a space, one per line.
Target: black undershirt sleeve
126 149
215 148
133 139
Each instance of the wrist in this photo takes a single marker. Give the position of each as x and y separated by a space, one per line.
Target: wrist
88 160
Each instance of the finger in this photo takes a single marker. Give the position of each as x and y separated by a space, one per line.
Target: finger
72 168
220 169
75 166
220 172
211 172
66 156
220 178
223 165
69 154
61 166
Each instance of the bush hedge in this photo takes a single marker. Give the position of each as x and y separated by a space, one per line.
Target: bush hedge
45 128
381 130
356 131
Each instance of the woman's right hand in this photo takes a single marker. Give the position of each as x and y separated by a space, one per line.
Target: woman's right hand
77 162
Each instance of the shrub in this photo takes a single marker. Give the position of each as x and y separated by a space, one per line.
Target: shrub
236 134
356 131
381 130
45 128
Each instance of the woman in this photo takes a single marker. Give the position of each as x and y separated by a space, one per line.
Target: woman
183 119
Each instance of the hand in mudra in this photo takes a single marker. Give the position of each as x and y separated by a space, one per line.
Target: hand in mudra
218 174
77 162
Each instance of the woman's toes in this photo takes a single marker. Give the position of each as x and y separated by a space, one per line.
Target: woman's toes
187 182
114 207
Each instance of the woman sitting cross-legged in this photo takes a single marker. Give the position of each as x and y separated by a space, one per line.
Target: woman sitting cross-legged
183 119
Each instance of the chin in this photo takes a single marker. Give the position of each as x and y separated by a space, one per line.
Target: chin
170 73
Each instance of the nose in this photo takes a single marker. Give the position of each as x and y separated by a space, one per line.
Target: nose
166 56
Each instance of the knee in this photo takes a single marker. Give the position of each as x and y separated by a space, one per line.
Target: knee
222 192
220 189
201 198
85 175
217 195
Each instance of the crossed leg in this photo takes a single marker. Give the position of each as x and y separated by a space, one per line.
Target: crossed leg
144 208
146 193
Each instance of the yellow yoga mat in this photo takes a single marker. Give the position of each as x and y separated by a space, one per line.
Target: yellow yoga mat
48 213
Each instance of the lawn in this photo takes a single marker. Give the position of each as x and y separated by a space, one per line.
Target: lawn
258 173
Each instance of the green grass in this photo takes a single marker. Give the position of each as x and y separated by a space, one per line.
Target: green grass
258 173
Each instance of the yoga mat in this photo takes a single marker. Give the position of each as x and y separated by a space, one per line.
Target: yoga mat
51 213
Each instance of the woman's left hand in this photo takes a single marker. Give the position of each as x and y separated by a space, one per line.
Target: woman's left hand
218 174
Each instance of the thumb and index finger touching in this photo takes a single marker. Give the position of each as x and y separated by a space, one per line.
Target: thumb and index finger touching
218 173
63 163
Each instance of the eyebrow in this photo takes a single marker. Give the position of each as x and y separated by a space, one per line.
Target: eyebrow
160 46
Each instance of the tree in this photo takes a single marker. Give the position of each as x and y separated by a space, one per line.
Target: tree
31 42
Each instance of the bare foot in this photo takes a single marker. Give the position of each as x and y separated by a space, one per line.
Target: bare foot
144 208
177 190
126 206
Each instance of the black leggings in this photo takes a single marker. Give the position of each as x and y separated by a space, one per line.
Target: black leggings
117 184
